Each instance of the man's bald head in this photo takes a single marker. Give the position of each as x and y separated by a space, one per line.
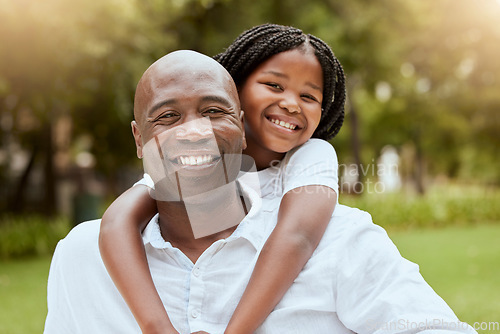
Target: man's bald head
188 126
173 68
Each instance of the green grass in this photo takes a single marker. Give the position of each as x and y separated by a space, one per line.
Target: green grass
23 293
460 262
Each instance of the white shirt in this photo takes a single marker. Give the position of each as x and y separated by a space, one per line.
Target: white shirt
313 163
356 281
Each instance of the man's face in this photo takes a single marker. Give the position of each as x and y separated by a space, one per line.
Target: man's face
188 126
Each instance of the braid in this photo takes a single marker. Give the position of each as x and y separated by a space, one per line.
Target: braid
244 43
256 45
260 43
334 91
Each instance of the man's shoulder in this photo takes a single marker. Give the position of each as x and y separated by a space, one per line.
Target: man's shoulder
344 213
351 224
83 238
87 229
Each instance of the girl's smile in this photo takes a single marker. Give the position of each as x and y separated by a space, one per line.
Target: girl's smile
282 104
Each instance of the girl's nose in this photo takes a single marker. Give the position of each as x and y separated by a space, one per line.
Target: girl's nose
290 104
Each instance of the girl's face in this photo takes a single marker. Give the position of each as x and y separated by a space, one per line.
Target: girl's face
282 103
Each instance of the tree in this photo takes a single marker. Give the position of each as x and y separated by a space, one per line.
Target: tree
79 60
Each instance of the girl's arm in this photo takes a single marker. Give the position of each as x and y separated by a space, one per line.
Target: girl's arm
122 251
303 216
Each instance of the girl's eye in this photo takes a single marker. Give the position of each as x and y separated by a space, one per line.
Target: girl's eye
273 85
310 97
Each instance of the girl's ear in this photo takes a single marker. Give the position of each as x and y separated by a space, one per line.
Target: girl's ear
244 146
138 138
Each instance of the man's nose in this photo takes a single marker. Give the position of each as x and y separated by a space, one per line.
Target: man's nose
195 130
290 103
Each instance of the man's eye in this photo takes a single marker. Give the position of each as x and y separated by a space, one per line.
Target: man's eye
167 115
213 112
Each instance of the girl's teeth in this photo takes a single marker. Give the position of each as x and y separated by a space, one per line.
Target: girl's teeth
284 124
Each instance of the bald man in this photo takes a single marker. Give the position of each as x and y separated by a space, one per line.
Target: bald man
356 280
186 107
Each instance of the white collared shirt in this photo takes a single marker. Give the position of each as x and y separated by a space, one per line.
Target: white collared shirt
356 281
312 163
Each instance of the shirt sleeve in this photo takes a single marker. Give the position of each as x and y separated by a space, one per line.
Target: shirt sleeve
313 163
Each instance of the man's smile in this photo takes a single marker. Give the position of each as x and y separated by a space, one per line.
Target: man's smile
196 160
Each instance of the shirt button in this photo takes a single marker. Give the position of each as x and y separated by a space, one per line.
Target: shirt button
195 313
196 272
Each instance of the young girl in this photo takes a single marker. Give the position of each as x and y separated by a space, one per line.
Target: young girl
291 88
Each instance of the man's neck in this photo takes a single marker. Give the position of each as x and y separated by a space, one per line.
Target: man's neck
195 224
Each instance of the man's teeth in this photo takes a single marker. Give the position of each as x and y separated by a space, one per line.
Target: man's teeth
284 124
193 160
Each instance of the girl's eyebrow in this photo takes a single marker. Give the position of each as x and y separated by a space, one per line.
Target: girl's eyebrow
282 75
278 74
315 87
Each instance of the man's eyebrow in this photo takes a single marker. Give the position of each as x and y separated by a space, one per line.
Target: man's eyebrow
208 98
218 99
161 104
282 75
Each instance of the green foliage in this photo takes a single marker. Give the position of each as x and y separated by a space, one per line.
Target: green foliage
79 64
444 103
30 235
442 206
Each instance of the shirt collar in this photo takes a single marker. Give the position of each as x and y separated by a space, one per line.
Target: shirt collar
250 228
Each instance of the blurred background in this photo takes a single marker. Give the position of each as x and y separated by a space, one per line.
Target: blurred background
419 148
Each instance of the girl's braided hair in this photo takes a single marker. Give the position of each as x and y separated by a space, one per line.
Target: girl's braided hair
259 43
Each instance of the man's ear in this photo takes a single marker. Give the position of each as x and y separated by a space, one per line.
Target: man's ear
138 138
244 143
